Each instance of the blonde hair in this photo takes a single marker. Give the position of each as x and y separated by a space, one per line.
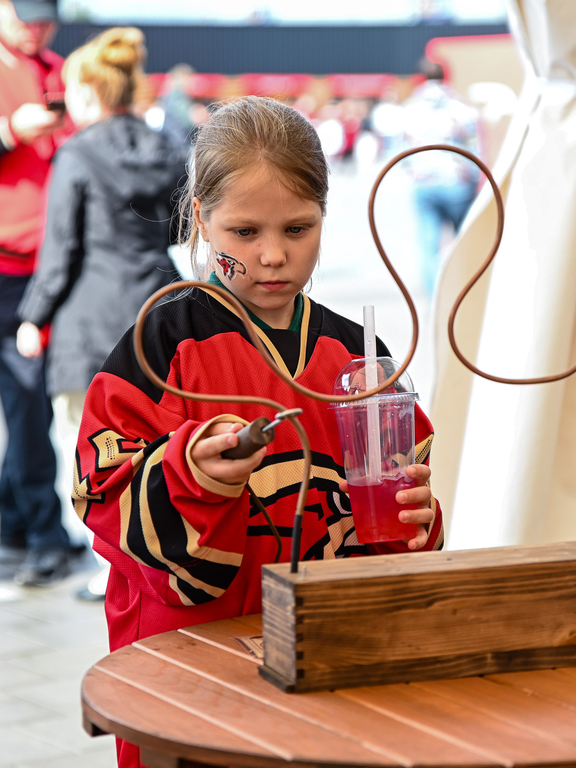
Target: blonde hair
240 134
112 64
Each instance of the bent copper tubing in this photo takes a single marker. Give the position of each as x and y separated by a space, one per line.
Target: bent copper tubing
157 381
477 275
228 297
276 407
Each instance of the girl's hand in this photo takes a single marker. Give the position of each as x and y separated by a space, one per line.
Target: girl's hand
419 496
28 340
206 454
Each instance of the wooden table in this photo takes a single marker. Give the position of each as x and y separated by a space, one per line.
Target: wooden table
195 696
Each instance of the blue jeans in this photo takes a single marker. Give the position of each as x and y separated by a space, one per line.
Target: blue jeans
437 205
30 509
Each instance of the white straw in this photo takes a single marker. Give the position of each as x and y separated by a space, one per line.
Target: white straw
374 456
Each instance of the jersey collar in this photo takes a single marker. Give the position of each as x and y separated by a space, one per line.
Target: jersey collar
300 323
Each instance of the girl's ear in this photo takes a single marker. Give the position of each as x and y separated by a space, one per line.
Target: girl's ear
89 95
197 211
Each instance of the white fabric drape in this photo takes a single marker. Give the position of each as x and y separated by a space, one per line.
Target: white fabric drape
503 466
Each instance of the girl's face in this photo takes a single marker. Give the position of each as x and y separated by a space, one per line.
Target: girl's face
273 233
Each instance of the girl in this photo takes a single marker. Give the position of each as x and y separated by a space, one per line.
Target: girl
107 231
169 512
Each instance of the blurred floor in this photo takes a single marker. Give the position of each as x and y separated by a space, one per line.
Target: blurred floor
48 638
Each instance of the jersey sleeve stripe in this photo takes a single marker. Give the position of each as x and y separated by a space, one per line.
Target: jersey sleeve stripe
422 450
149 518
187 592
270 481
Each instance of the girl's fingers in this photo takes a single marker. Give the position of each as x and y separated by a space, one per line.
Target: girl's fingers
420 473
419 516
207 455
210 447
419 540
233 471
219 438
419 495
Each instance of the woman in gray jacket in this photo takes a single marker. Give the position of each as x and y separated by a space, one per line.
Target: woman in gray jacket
108 224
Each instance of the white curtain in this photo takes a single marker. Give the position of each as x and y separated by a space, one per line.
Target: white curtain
503 464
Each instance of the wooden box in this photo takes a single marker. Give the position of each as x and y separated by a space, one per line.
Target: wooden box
419 616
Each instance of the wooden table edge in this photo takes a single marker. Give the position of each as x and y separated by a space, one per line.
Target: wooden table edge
164 754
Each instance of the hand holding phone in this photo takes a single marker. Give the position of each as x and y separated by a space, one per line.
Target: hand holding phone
55 102
32 121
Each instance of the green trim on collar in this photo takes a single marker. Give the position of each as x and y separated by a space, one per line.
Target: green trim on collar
296 323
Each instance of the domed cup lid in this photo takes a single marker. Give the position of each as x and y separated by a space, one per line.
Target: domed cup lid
352 380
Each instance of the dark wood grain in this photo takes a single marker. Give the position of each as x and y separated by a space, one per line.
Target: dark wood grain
279 625
420 616
423 562
314 678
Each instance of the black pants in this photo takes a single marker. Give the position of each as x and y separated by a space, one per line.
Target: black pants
29 505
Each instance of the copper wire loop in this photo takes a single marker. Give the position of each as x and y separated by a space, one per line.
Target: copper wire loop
477 275
186 284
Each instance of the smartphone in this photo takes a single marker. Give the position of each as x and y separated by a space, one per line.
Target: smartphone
55 102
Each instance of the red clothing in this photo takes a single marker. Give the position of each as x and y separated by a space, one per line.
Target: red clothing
24 169
184 548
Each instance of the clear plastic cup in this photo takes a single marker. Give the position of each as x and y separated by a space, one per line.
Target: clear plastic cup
377 437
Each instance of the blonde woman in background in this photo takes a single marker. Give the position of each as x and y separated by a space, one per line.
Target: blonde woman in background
108 228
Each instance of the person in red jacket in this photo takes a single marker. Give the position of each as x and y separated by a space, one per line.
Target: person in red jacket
173 515
30 509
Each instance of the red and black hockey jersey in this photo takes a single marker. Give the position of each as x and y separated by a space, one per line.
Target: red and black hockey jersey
184 548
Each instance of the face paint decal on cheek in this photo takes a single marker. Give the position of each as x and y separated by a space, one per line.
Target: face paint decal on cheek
230 266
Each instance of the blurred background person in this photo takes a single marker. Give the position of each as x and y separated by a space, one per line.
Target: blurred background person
306 104
445 184
173 111
108 228
30 509
387 122
350 116
178 105
330 130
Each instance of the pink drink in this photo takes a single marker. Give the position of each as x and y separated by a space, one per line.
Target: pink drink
375 510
